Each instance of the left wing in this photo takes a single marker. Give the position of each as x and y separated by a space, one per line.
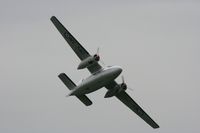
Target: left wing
129 102
80 51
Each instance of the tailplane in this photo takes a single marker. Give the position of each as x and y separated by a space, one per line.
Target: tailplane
67 81
70 85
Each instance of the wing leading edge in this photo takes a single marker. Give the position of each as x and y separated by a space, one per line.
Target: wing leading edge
80 51
129 102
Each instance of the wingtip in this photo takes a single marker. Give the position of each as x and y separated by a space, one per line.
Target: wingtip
53 17
88 104
61 74
156 127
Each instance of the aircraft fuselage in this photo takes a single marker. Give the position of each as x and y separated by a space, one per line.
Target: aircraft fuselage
97 80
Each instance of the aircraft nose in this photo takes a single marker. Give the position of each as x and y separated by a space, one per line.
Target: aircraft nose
118 70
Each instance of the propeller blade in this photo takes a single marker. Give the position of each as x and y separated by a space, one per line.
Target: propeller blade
123 79
98 50
130 88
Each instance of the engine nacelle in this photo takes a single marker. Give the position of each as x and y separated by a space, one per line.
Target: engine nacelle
115 90
123 86
88 61
112 92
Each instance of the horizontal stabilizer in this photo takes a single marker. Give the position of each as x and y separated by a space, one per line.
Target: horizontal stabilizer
85 100
67 81
70 84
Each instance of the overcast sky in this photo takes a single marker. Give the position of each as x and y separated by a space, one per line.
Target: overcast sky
156 43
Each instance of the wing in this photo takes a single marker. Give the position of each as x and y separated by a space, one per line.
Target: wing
80 51
73 43
129 102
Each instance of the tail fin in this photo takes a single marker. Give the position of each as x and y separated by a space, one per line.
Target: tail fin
70 85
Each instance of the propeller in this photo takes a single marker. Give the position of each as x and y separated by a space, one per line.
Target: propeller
97 56
124 86
123 81
98 51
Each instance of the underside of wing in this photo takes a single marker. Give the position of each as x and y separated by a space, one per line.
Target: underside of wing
74 44
128 101
80 51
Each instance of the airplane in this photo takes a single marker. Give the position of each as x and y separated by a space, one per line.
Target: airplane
100 77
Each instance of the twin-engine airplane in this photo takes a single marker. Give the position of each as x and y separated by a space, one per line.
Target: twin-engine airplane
100 77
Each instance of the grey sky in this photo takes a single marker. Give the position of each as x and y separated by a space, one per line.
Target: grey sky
156 43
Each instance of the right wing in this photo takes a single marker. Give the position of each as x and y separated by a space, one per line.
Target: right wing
129 102
80 51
